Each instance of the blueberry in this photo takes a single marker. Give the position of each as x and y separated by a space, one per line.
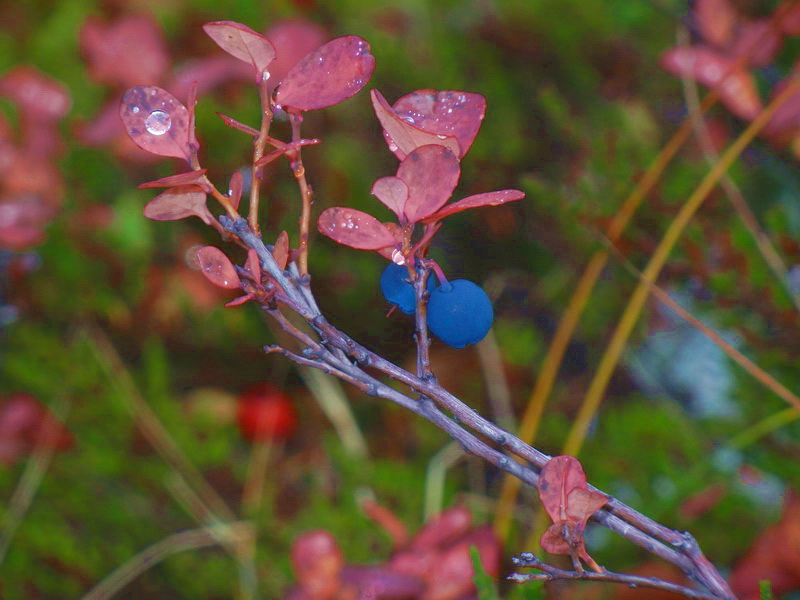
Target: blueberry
397 290
459 315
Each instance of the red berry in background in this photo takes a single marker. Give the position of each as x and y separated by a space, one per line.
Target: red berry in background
264 412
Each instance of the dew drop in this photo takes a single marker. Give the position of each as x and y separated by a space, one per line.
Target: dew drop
442 137
135 110
158 122
265 75
392 147
398 258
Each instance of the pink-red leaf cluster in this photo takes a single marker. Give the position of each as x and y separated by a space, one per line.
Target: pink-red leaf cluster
569 503
243 43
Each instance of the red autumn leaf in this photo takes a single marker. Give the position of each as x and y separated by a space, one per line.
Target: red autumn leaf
715 19
569 503
452 576
243 43
280 252
253 265
22 221
790 23
39 97
758 41
381 582
443 529
392 253
431 174
736 87
785 122
449 113
329 75
179 203
127 52
354 228
775 555
486 199
156 121
293 39
393 192
317 561
26 423
386 520
402 136
173 180
230 122
217 268
235 189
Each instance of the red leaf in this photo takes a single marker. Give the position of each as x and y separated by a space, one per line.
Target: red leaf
26 423
431 174
386 520
393 192
240 300
316 561
217 268
715 19
449 113
403 137
178 203
280 252
392 253
38 96
354 228
243 43
443 529
156 121
293 39
237 125
173 180
736 87
127 52
235 189
758 41
775 555
253 265
487 199
564 492
331 74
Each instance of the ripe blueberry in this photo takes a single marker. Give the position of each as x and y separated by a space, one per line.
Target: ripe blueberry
397 290
459 315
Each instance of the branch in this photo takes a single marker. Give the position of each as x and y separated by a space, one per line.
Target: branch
551 573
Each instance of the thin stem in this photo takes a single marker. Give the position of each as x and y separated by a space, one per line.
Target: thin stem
259 144
551 573
299 172
191 539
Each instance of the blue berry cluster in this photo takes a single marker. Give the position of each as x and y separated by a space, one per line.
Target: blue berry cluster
459 312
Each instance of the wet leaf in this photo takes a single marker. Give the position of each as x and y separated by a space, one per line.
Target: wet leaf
431 174
179 203
449 113
487 199
217 268
235 189
403 137
243 43
331 74
354 228
173 180
127 52
253 265
156 121
393 192
280 252
736 87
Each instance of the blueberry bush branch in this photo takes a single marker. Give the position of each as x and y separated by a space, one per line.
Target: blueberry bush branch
429 132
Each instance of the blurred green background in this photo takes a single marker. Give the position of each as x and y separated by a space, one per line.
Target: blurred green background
578 107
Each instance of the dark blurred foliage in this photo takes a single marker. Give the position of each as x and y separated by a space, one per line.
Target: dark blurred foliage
578 107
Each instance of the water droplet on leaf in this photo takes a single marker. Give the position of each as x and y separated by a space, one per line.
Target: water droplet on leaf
158 122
